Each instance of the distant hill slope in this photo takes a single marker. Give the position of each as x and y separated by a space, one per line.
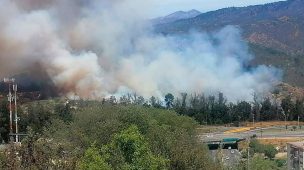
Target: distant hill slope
274 31
176 16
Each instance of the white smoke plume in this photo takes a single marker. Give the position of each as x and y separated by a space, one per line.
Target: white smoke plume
97 48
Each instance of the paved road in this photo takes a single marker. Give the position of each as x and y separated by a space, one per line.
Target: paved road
271 132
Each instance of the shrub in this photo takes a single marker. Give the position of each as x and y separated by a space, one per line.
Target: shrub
133 150
92 160
270 151
165 134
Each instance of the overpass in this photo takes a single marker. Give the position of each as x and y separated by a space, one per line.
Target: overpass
226 143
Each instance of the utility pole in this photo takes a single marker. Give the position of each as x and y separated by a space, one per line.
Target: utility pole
248 157
248 150
10 81
253 120
15 87
261 129
285 122
298 121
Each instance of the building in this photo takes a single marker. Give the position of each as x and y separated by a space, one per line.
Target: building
225 150
295 152
225 143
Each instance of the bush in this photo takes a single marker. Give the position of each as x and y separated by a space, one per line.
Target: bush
133 150
270 151
171 136
259 163
256 146
129 137
245 153
281 163
92 160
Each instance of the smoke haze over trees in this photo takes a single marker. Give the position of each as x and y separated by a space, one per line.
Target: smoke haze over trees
99 48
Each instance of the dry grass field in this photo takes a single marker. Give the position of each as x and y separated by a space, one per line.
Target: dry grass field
237 130
280 142
249 125
272 123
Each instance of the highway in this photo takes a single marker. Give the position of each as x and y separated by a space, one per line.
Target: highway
270 132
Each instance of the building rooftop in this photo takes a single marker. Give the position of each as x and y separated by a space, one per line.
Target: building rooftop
297 144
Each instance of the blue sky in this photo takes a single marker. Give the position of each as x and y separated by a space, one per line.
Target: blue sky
164 7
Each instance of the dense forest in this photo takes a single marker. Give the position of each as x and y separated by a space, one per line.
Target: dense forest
91 135
216 110
206 110
129 133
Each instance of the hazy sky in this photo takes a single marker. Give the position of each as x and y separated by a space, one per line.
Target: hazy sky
165 7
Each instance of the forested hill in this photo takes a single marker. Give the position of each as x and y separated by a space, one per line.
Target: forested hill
176 16
275 33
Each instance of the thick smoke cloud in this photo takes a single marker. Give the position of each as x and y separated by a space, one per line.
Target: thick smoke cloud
99 48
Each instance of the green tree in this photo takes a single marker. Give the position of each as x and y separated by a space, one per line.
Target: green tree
140 100
256 108
134 150
299 108
288 107
219 110
169 140
268 111
92 160
281 163
38 116
270 151
64 112
180 104
4 121
169 98
256 146
155 102
259 163
124 100
243 110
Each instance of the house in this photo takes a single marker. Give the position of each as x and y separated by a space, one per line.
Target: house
295 152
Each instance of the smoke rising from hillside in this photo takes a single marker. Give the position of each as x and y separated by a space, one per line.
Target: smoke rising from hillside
98 48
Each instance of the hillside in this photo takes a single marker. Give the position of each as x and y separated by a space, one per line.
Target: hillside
275 33
176 16
63 137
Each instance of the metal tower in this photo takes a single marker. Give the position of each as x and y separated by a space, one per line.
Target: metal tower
12 86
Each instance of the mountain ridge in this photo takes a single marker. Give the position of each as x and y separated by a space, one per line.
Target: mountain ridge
178 15
274 32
